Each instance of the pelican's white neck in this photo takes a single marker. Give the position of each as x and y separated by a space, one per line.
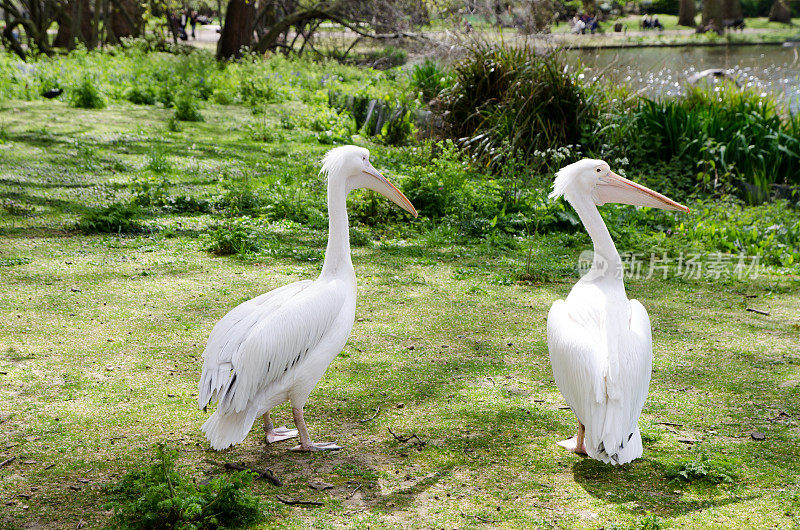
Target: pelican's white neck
337 254
604 247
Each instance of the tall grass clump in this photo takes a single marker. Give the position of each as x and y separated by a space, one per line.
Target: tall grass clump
505 95
85 94
429 79
732 140
187 108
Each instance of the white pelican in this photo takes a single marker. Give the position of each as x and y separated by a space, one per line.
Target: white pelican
599 341
275 347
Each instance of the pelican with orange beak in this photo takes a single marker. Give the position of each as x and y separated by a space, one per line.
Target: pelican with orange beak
276 347
600 342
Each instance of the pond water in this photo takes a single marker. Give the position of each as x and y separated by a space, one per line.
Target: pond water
663 71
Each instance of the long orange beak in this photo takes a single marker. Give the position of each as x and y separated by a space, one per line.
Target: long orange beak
380 184
616 188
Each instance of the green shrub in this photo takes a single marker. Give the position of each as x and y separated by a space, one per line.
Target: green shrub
505 96
150 191
239 197
186 108
159 497
113 219
710 470
238 237
141 95
157 161
173 124
186 204
85 94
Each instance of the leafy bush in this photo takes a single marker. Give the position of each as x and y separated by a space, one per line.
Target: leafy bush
711 470
511 96
113 219
332 127
150 191
141 95
186 108
159 497
85 95
238 237
157 161
238 198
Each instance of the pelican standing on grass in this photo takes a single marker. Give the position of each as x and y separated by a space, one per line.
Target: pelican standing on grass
599 341
276 347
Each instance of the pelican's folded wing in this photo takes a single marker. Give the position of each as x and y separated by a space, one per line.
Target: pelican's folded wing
579 364
268 338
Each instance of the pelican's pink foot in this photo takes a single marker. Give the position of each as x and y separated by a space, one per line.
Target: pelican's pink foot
280 434
571 445
317 446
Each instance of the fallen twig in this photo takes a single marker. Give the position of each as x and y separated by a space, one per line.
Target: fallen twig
669 423
759 311
298 501
492 380
405 439
267 473
354 491
478 517
7 461
377 410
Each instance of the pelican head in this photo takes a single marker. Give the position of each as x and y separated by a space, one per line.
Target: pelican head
351 164
594 178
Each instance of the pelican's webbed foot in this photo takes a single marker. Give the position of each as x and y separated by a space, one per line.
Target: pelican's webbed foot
280 434
575 444
317 446
571 445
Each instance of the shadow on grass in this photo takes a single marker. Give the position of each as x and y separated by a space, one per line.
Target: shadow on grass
645 484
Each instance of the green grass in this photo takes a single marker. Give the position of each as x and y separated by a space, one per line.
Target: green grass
101 339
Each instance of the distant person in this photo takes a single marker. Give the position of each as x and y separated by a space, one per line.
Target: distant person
646 22
184 20
577 25
656 24
193 22
592 24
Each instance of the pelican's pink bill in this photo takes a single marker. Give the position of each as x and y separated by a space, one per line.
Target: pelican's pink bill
616 188
388 190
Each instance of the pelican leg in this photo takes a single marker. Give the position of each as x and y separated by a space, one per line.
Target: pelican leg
305 440
575 444
279 434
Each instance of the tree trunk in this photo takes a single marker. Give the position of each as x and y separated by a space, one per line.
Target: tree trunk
686 13
126 17
712 13
237 30
731 10
780 12
77 26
